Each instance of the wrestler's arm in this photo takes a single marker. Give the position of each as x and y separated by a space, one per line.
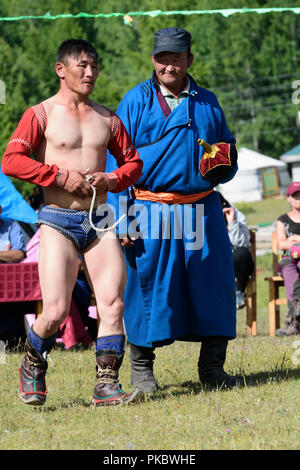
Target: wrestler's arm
127 158
17 161
129 163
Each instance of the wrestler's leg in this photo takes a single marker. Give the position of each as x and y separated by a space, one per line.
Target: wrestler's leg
58 265
106 268
58 269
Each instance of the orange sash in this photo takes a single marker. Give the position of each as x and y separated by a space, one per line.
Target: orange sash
169 198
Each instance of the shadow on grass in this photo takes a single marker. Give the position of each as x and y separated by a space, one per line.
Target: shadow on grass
250 380
193 388
60 406
259 378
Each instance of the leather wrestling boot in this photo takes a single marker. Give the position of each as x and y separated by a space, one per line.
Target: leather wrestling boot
32 383
108 391
142 361
211 361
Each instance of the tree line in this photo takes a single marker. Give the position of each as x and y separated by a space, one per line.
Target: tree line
250 61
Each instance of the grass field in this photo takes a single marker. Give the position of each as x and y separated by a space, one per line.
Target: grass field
262 414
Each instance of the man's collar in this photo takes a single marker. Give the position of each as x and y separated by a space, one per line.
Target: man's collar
186 90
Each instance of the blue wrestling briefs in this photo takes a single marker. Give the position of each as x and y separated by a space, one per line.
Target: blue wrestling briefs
73 224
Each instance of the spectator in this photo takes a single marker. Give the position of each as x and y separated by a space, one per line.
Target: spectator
288 241
12 244
240 243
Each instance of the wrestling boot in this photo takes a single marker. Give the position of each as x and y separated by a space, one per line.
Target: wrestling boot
32 383
211 361
108 391
142 361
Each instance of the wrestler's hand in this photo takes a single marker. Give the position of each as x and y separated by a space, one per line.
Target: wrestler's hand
77 184
126 242
99 181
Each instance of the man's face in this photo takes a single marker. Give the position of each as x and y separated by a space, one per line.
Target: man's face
80 74
171 68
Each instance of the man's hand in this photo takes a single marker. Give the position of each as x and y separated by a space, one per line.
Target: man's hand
77 184
229 214
99 181
126 242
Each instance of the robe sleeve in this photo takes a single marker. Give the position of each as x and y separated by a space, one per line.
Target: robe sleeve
129 163
17 161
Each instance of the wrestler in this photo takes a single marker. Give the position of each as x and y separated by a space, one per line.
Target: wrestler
69 135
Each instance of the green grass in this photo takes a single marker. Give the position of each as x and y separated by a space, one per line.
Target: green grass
265 211
262 414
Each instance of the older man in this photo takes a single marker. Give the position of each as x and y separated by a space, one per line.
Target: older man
69 135
178 287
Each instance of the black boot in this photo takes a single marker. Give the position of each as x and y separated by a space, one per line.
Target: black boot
211 361
142 360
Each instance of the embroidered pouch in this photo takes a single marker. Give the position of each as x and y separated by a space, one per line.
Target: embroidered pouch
217 161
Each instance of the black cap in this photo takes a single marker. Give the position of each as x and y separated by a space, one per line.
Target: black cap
171 40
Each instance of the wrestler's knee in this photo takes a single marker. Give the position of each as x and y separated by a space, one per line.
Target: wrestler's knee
113 310
54 315
117 307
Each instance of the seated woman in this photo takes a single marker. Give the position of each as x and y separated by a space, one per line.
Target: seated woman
288 236
240 242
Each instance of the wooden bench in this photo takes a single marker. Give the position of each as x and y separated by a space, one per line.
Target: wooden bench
251 291
275 282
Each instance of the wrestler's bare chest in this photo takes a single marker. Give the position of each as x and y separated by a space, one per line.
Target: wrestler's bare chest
75 139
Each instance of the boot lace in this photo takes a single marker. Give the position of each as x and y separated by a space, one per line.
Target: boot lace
107 376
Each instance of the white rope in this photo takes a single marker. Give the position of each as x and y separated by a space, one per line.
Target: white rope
89 179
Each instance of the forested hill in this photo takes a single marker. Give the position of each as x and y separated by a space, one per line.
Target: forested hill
250 60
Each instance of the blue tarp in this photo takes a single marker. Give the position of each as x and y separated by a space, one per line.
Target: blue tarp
13 205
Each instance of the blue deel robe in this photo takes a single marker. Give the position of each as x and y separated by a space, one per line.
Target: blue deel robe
180 286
